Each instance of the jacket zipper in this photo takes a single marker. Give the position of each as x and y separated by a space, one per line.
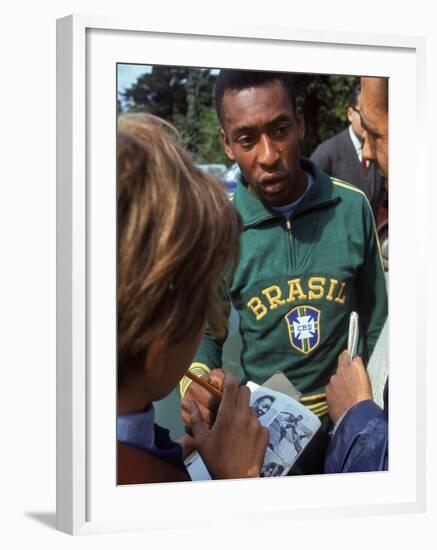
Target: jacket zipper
288 223
290 241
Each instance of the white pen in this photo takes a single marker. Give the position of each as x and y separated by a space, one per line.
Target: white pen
352 343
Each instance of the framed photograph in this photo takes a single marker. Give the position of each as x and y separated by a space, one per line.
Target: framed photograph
90 51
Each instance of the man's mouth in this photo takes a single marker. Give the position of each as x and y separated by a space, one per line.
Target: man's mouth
272 183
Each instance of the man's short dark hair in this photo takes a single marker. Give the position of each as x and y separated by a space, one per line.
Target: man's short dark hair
355 94
231 79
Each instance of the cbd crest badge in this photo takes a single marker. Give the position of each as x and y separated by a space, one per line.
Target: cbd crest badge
303 324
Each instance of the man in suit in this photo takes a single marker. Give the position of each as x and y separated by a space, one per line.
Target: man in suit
341 157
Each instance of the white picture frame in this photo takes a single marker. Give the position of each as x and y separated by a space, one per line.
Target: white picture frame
87 499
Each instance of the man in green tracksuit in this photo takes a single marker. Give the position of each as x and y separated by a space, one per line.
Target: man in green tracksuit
309 253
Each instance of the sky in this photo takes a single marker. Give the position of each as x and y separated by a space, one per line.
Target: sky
128 75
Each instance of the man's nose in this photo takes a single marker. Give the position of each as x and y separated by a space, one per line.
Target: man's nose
368 148
268 152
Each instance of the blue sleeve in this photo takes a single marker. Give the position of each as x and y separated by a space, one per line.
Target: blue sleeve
360 443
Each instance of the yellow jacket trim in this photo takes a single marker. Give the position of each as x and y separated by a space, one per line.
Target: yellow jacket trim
315 397
343 184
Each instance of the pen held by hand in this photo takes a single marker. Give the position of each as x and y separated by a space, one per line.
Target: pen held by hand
352 345
206 385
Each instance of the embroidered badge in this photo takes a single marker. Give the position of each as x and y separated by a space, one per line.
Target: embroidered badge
303 324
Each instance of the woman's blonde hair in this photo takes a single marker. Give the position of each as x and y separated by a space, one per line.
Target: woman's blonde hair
177 234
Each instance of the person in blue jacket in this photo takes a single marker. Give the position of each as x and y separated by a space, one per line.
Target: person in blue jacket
356 398
360 439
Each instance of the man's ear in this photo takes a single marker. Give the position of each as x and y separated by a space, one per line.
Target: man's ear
300 124
349 113
226 145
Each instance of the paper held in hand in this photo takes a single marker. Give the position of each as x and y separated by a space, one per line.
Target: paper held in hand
291 427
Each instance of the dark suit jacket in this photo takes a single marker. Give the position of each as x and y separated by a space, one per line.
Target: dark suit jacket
337 157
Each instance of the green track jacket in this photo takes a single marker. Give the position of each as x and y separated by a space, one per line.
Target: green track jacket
298 280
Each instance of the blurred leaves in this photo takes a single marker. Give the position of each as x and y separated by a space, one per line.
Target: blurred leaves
324 100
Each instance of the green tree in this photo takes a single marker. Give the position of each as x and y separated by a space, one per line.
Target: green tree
161 92
184 97
211 150
324 100
199 95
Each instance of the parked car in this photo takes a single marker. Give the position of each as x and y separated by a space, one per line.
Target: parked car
230 178
226 175
217 170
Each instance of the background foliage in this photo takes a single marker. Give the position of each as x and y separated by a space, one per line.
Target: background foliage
185 97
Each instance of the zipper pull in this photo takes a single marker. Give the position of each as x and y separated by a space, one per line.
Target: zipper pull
288 224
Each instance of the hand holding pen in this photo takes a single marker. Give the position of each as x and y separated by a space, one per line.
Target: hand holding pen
206 391
235 445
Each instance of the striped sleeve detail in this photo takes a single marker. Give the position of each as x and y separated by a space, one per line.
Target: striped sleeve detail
340 183
346 185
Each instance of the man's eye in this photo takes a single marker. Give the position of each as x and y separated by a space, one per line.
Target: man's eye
245 141
373 135
281 131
